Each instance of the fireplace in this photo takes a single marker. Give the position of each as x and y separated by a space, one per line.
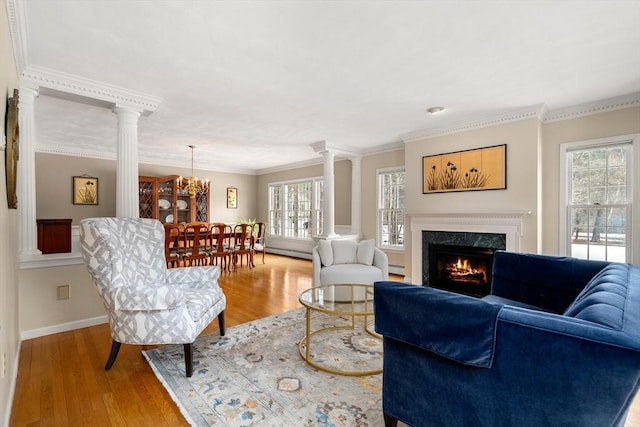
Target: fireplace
462 269
497 230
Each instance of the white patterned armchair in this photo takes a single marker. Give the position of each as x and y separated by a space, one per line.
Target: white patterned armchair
147 303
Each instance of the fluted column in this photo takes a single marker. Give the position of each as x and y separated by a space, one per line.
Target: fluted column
329 220
26 186
356 192
127 201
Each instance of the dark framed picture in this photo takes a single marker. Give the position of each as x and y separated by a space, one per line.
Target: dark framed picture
469 170
85 190
11 152
232 198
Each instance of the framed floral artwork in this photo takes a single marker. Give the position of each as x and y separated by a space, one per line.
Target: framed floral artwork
232 198
469 170
85 190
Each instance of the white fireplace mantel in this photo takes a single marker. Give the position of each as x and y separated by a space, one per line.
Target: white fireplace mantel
508 223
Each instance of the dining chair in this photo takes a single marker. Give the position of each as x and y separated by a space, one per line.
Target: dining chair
259 244
220 235
243 244
173 249
197 244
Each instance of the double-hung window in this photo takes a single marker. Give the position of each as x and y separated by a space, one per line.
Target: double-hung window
597 205
391 208
294 208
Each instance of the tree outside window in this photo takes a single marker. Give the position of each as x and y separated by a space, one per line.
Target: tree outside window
391 208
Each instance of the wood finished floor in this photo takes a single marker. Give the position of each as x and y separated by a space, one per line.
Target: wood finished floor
62 381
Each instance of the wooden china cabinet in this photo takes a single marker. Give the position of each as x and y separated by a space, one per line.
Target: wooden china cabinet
160 198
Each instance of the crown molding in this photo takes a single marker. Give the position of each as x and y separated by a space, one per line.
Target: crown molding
531 112
18 29
109 95
149 160
384 148
76 152
540 111
290 166
596 107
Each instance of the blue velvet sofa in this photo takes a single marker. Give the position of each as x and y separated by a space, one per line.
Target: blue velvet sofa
556 343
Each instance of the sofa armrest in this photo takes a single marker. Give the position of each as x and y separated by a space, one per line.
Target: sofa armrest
545 281
381 261
317 266
455 326
206 273
145 298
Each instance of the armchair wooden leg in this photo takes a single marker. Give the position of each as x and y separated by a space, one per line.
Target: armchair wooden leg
390 421
188 359
115 348
221 322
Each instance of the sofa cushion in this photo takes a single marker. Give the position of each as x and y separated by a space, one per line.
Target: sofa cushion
604 299
344 251
365 252
326 252
350 273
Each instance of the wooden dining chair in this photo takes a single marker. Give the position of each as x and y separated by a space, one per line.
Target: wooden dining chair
197 244
222 250
243 244
173 249
260 244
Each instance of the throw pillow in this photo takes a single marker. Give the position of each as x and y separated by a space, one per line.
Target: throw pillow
365 252
326 252
344 252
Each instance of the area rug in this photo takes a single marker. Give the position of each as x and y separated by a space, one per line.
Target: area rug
254 376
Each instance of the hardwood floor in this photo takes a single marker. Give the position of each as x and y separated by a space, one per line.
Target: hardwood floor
62 381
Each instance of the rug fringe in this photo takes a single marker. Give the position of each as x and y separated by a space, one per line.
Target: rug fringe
182 409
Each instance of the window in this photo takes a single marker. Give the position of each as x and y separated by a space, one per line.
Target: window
295 208
391 197
598 193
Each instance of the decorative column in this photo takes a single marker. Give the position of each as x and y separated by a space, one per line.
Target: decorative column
356 194
328 214
26 186
127 199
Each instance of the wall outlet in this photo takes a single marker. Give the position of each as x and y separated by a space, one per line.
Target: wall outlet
63 292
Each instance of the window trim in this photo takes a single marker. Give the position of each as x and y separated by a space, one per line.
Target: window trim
634 223
388 248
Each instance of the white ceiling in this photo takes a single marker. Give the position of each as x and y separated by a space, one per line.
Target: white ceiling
253 83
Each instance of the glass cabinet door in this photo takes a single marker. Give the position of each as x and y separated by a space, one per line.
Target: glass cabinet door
166 202
147 199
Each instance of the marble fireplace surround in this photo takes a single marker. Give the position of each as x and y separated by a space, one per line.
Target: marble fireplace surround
508 223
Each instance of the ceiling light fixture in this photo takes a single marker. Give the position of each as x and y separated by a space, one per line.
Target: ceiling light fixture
435 110
192 186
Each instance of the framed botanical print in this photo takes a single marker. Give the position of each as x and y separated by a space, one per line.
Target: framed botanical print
85 190
232 198
476 169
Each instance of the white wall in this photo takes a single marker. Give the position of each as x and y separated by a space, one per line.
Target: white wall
522 171
9 324
620 122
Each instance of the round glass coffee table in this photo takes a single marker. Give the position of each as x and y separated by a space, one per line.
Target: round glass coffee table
354 303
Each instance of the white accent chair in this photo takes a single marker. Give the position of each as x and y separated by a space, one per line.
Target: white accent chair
348 262
147 303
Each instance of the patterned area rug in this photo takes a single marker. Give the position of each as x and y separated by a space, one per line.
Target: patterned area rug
254 376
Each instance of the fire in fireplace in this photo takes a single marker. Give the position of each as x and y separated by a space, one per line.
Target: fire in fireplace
462 269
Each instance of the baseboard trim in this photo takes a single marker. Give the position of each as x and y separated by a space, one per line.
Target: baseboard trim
293 254
12 389
396 269
62 327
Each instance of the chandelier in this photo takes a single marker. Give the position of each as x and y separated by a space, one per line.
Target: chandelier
192 186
